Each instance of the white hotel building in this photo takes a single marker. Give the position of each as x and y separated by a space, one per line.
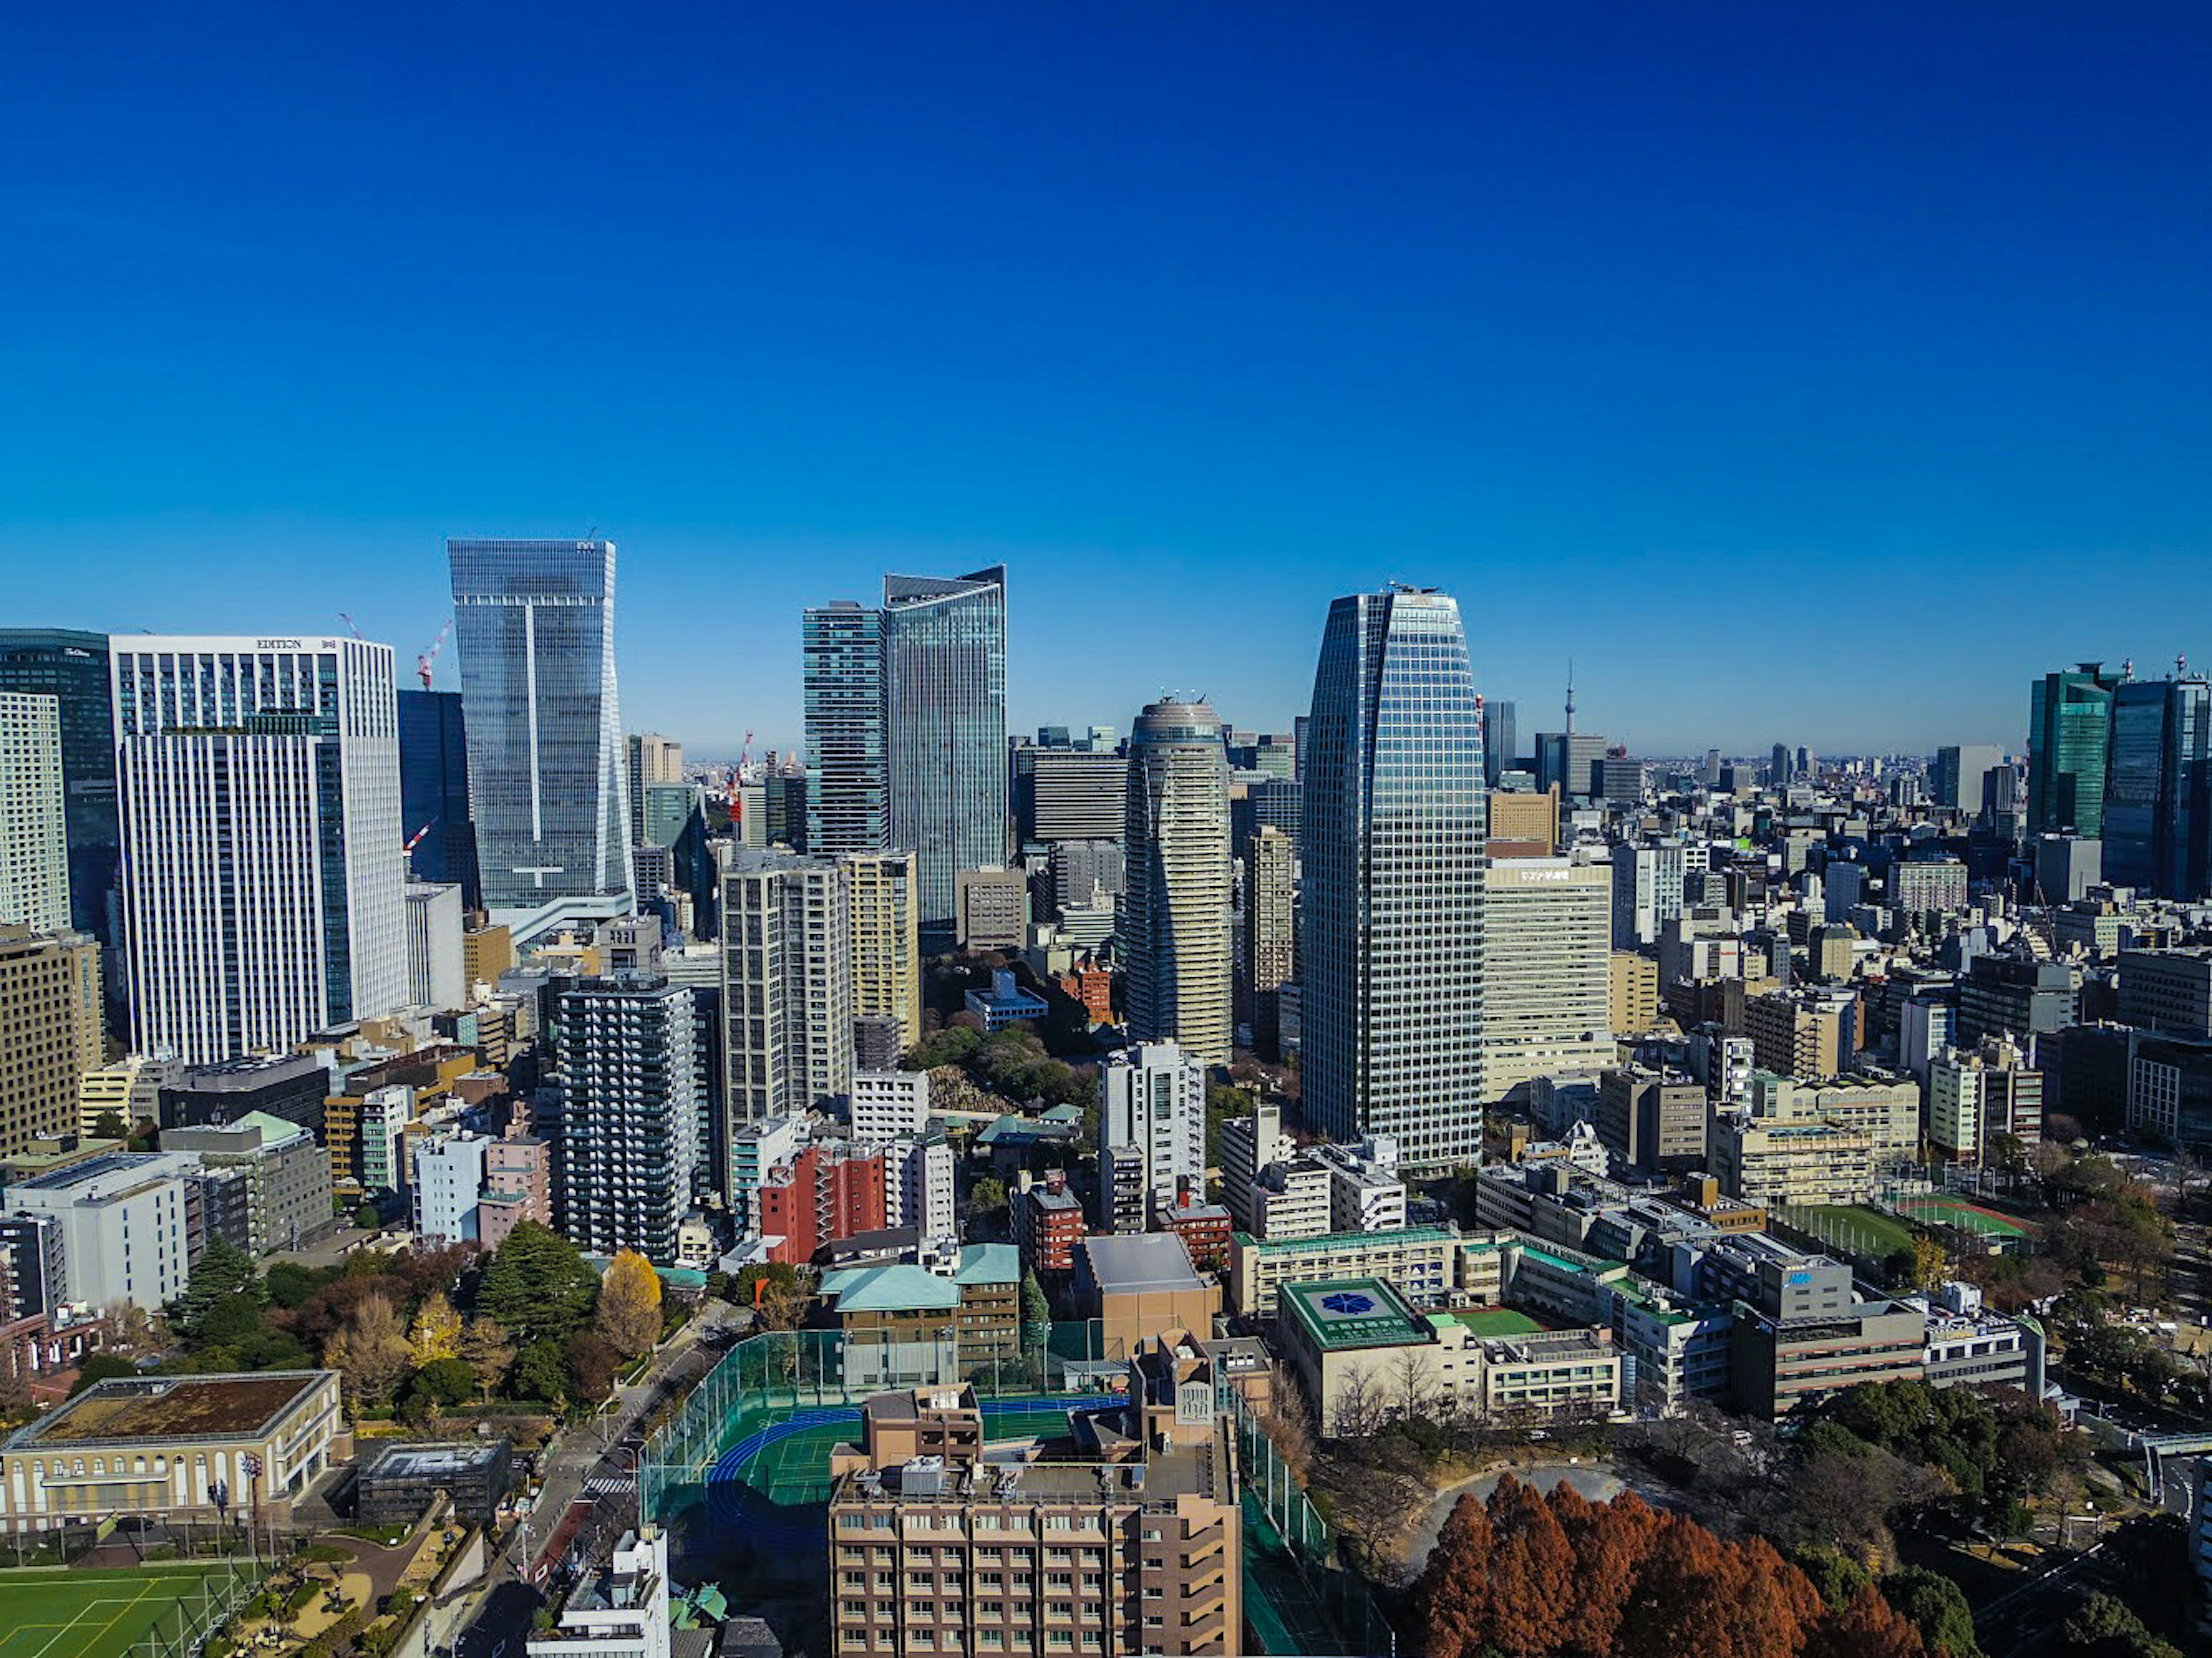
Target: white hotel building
264 883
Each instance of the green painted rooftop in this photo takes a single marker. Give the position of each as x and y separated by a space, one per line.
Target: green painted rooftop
989 1263
897 1288
1353 1312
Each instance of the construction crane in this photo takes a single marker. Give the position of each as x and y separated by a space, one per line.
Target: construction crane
731 797
350 628
422 662
408 850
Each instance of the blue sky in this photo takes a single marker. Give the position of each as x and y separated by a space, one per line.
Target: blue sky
1810 374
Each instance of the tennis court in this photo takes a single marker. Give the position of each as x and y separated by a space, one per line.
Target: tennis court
1937 1210
100 1615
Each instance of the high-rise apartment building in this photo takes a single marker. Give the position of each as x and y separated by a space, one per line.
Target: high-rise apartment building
34 872
623 1057
1650 883
944 699
434 791
263 873
1270 958
2068 740
50 1035
652 759
847 771
1978 1100
787 987
1391 850
1152 1100
1175 908
1499 740
71 667
548 785
886 943
2158 788
1547 935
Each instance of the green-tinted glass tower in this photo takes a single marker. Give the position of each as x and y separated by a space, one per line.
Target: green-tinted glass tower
2069 730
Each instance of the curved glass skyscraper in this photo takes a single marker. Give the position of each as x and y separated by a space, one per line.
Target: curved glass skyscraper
1174 910
534 627
1392 844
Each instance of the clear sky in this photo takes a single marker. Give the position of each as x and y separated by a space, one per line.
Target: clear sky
1809 373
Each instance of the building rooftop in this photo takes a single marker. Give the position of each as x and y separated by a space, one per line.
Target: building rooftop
127 1409
1341 1240
894 1288
1125 1263
1353 1312
989 1263
430 1461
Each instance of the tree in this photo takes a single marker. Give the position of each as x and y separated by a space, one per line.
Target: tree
1532 1566
542 1372
628 1316
448 1381
1036 1314
592 1362
1867 1626
100 1367
1934 1605
986 1196
538 1285
370 1351
223 1272
488 1353
2105 1627
437 1332
289 1283
1610 1540
1454 1597
111 1126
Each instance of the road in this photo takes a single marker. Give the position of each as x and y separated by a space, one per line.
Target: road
595 1462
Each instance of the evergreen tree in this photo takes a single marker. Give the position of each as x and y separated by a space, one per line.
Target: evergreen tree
538 1285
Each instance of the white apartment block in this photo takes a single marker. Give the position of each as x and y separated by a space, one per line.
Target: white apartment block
889 1105
385 1114
1153 1096
34 887
448 1184
918 1186
125 1226
436 976
257 785
1291 1199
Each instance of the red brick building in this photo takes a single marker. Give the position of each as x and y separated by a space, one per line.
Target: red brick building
1047 1220
828 1191
1091 986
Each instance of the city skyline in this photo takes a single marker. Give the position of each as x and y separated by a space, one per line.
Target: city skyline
1619 328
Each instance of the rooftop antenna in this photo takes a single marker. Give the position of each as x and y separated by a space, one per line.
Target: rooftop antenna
1570 696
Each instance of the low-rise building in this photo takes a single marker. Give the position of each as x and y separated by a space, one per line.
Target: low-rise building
125 1226
189 1446
1424 1263
1781 1163
619 1610
1136 1286
399 1482
287 1178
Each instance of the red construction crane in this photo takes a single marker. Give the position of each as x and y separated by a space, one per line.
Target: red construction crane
422 662
408 850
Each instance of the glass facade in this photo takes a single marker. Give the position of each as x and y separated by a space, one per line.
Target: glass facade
841 647
1392 846
1175 926
434 791
1498 740
2070 728
549 790
2155 820
944 699
71 667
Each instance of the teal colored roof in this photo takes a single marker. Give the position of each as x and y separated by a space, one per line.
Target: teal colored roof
1000 1127
1063 1114
272 1128
894 1289
989 1263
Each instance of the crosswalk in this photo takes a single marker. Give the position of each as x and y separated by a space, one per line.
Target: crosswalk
611 1484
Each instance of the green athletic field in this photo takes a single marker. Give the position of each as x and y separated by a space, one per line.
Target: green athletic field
97 1614
1956 1211
1489 1322
1868 1231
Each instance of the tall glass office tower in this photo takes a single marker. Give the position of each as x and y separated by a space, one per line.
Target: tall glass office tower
944 700
2068 733
1174 911
434 791
1499 739
1391 842
841 648
2157 835
71 667
549 792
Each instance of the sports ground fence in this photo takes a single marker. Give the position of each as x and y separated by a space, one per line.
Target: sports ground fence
1288 1546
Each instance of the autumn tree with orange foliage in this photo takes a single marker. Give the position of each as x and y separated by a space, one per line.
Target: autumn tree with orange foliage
1530 1575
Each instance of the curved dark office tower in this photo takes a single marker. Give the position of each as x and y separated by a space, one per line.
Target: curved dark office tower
1392 846
549 790
945 700
1174 905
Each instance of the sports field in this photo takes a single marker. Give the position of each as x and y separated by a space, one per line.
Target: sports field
1868 1231
1957 1211
1489 1321
98 1614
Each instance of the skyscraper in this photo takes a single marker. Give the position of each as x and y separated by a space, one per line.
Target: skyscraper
1959 770
1391 848
71 667
1498 740
534 626
34 885
652 759
1151 1097
787 967
1547 943
1270 933
2158 819
1174 905
434 791
2069 738
886 948
264 883
848 775
944 698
